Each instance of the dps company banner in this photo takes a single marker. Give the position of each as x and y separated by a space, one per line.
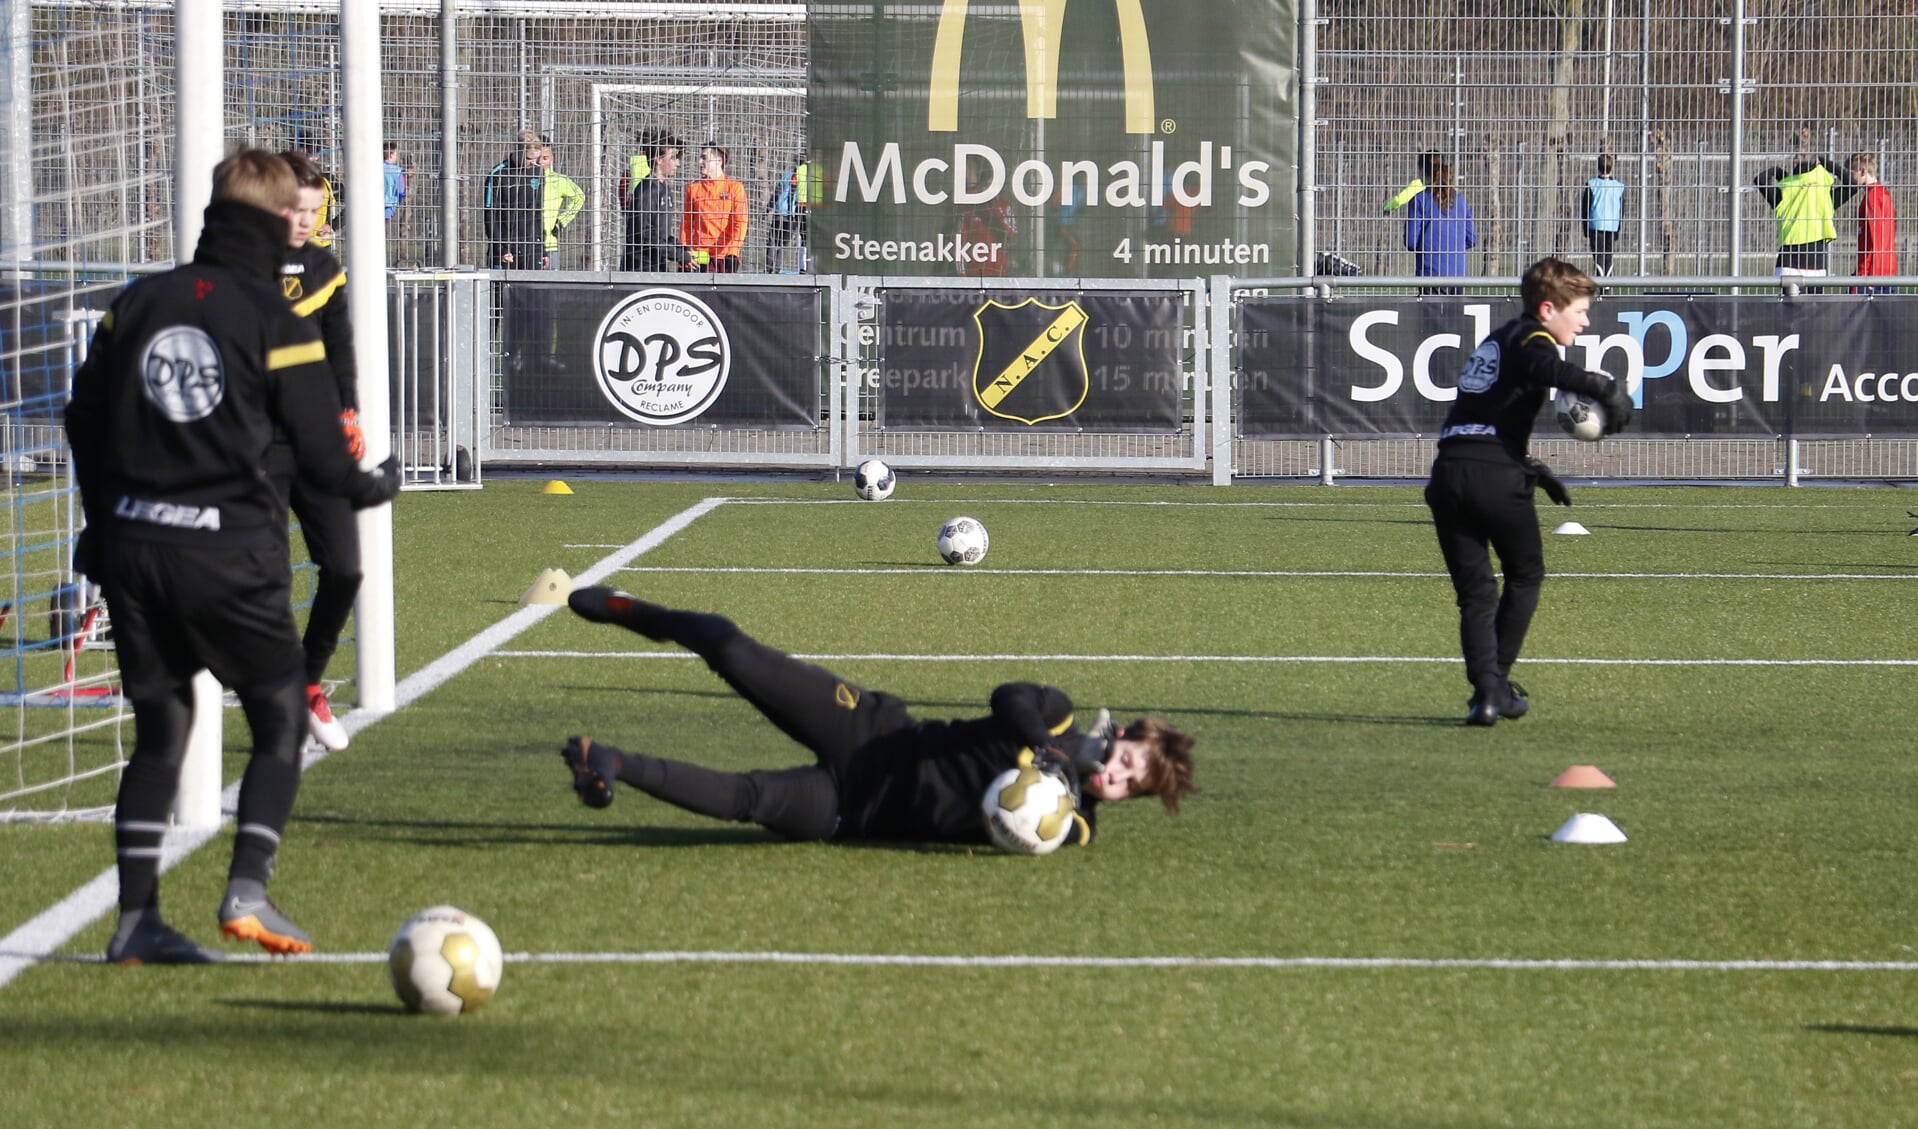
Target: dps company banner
1086 138
1724 366
660 356
991 360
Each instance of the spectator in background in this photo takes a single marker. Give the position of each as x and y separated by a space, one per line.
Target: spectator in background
1438 226
1604 210
395 181
1803 200
787 208
650 242
713 226
561 201
1877 225
990 229
515 207
1413 187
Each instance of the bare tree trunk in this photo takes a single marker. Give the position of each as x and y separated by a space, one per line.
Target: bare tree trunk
1552 216
1493 240
1662 176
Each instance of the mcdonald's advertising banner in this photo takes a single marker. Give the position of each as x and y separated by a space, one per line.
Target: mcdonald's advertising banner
1820 366
994 361
661 356
1054 138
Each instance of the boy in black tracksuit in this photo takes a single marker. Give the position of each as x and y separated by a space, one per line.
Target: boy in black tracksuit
187 380
315 284
1482 481
881 774
652 221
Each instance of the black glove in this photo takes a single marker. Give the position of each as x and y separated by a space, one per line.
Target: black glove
372 487
87 558
1090 756
1547 481
1618 407
1052 761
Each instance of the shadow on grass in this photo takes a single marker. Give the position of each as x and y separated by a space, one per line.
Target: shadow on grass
1855 1029
319 1007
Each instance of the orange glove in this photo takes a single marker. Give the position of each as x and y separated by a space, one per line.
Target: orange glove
355 438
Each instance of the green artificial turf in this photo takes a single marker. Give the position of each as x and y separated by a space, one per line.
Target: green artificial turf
1345 814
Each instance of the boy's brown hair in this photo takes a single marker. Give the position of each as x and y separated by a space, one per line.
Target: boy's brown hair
1170 775
1555 281
305 170
256 177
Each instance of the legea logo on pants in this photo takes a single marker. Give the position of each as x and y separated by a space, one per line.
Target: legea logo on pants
661 357
1041 21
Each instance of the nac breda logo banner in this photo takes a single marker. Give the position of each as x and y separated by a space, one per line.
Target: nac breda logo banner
1049 138
957 359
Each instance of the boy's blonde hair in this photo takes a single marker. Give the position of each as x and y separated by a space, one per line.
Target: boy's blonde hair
1866 163
1555 281
259 178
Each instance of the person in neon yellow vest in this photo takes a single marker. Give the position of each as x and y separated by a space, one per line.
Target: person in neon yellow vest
561 202
1802 200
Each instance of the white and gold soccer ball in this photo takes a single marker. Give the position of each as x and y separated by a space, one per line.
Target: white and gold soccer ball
1028 812
963 541
444 961
1582 417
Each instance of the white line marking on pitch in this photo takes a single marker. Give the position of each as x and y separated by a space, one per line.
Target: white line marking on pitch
1188 504
943 570
881 657
56 926
915 960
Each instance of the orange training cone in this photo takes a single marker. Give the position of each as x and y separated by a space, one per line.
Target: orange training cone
1583 776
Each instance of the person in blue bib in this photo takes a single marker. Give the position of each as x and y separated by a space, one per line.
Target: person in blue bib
1603 213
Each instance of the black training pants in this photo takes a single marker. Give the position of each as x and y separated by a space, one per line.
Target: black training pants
332 532
1481 504
831 717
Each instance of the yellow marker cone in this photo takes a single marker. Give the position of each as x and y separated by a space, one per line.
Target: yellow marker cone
556 487
552 587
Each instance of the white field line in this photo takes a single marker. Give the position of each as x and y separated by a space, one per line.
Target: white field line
45 933
1381 659
1342 505
916 960
943 570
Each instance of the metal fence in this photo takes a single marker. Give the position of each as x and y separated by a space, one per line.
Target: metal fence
1690 98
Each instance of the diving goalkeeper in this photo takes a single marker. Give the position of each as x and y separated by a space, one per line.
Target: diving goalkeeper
880 773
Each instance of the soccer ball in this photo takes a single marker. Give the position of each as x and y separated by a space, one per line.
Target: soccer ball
963 540
873 481
1581 416
444 961
1028 812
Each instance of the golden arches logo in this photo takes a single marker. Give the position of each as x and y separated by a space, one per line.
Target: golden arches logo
1041 21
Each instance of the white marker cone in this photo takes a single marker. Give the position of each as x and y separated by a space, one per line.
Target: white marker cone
1573 529
1588 827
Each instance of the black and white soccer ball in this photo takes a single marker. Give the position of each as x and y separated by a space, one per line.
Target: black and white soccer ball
1582 417
963 541
1028 812
874 481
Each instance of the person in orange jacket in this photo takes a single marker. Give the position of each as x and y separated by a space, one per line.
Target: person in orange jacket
713 223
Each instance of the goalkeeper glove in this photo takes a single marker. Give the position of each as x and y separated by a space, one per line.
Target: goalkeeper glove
1405 196
355 438
1096 744
1053 763
1554 489
372 487
1618 407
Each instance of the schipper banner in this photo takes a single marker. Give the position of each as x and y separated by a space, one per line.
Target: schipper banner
1049 138
1000 361
1818 366
661 356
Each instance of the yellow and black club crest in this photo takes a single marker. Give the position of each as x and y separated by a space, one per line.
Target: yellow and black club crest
1032 363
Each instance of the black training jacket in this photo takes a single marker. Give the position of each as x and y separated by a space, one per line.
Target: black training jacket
187 378
1502 387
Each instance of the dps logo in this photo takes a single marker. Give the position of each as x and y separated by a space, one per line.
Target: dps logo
1041 22
661 357
1032 362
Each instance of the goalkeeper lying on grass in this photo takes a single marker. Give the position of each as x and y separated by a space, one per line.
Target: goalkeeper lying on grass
881 774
